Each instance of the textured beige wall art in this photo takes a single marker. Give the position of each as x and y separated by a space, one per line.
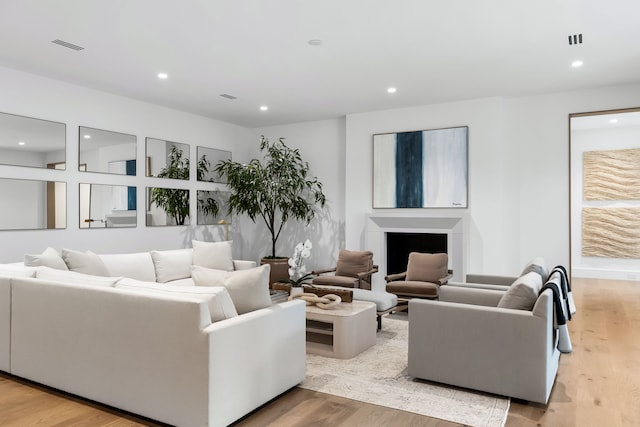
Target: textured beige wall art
612 174
611 232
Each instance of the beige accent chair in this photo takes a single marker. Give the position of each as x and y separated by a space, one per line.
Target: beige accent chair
425 274
353 270
468 339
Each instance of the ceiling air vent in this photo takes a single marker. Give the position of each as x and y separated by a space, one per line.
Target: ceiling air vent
67 44
226 95
575 39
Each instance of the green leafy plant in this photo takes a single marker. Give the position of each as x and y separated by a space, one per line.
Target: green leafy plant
276 189
174 201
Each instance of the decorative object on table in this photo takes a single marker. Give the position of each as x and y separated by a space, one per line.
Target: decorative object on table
423 169
298 274
276 190
325 302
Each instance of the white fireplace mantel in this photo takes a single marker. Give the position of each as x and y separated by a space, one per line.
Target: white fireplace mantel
454 225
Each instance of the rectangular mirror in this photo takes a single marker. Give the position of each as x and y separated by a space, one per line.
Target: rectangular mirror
167 206
105 151
33 205
25 141
208 158
166 159
212 207
107 206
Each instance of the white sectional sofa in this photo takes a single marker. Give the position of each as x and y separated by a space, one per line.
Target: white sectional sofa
174 352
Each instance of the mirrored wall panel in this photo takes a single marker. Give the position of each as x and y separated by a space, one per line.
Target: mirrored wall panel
208 158
25 141
107 206
166 159
33 205
107 152
212 207
167 206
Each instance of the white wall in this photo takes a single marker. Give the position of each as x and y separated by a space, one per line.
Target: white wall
598 140
34 96
518 170
321 144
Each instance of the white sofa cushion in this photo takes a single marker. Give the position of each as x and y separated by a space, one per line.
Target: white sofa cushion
523 293
14 270
249 289
217 298
172 264
49 258
84 262
137 266
75 278
215 255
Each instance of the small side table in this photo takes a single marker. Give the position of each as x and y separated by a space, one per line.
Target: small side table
342 332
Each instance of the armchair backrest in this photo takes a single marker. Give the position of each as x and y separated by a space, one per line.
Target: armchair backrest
424 267
350 263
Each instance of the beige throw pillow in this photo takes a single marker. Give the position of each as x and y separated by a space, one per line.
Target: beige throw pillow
48 258
84 262
249 289
172 264
215 255
523 293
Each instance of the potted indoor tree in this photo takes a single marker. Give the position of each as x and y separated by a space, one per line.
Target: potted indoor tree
174 201
275 190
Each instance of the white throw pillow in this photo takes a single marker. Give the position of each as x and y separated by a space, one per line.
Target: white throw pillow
84 262
134 265
217 298
173 264
49 258
523 293
249 289
75 278
213 255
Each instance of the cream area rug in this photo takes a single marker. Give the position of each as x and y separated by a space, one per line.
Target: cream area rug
379 376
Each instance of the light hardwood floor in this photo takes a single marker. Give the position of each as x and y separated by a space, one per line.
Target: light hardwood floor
597 385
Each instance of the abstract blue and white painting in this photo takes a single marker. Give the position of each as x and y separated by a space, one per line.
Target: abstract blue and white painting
421 169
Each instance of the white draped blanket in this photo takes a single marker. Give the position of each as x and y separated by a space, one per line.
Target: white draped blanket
379 376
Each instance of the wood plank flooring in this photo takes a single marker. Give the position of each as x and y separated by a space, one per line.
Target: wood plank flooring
597 385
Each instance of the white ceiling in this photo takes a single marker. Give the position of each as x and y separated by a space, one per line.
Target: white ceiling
257 50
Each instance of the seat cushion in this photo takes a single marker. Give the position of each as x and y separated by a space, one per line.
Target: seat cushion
412 288
350 263
425 267
344 281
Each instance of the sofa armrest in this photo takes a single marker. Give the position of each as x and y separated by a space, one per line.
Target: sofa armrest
240 264
465 295
394 277
323 271
502 288
490 279
255 357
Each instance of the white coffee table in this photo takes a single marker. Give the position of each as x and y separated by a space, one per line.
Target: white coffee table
342 332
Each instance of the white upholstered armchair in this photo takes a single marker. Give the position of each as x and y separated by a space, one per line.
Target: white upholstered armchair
466 340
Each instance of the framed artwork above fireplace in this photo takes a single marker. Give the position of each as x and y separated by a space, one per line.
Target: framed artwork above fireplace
421 169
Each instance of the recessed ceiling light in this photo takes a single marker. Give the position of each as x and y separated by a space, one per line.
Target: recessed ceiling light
392 90
315 42
577 64
21 143
163 76
263 108
613 121
87 136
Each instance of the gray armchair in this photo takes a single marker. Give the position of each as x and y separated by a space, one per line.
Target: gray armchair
465 339
353 270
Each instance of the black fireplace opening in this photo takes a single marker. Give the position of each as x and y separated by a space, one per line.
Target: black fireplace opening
399 245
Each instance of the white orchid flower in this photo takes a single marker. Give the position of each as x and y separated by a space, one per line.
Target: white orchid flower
308 245
292 272
306 253
292 262
299 247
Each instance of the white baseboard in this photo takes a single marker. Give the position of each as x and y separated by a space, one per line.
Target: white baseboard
600 273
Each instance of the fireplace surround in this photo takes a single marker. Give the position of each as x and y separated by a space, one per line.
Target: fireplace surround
453 225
